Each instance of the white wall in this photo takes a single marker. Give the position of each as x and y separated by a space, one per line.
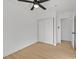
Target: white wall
20 27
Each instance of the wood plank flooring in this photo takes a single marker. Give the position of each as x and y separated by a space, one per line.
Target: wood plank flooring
44 51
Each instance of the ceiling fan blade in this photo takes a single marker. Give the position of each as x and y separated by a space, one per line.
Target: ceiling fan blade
32 7
41 6
26 1
35 0
41 1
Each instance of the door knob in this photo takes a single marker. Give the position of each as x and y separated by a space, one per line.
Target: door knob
73 32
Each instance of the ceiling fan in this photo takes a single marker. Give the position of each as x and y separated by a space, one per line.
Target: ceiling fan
36 3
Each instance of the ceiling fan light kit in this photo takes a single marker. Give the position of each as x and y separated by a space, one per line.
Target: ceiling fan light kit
36 6
36 3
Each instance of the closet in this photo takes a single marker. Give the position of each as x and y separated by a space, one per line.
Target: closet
46 31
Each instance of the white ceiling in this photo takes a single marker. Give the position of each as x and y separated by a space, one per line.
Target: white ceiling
60 5
57 5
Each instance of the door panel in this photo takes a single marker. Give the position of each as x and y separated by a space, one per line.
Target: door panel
41 30
66 29
46 31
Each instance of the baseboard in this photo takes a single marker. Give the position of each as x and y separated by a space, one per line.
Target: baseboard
13 51
47 43
65 41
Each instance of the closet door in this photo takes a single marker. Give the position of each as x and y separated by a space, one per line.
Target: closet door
46 31
41 29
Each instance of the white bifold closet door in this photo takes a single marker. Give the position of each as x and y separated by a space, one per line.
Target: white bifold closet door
46 31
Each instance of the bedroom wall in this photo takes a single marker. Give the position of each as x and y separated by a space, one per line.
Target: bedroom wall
20 27
20 24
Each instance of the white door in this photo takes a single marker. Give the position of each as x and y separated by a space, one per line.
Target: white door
46 31
66 30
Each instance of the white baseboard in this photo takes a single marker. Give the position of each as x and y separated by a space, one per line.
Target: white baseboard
17 49
47 43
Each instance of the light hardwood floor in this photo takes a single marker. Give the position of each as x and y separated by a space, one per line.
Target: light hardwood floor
44 51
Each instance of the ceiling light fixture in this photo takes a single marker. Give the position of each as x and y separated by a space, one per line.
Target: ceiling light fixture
36 6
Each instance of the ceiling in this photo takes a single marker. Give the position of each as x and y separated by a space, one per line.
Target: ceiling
60 5
57 5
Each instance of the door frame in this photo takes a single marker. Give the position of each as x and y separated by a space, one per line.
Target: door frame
54 29
72 42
